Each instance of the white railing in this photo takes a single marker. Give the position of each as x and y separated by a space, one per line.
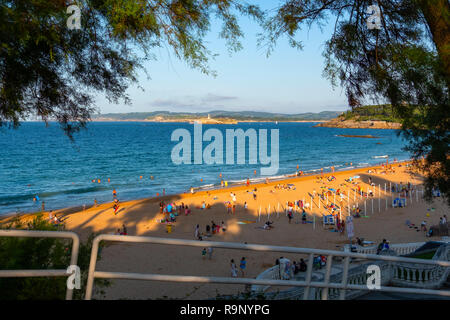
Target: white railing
393 273
43 273
330 286
400 248
326 284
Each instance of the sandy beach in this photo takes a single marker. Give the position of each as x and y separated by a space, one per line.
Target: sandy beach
141 217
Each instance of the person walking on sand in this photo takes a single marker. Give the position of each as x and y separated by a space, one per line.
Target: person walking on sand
197 232
290 216
242 266
303 216
233 269
245 206
204 253
210 252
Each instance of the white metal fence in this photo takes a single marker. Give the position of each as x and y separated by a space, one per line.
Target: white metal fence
43 273
308 283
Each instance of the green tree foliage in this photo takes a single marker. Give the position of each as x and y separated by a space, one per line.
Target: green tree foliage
405 63
42 253
50 72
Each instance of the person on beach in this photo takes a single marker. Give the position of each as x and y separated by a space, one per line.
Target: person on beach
290 217
233 269
114 193
208 230
229 207
224 228
302 265
204 253
210 252
197 232
242 266
423 226
233 210
116 206
213 227
248 182
254 196
268 225
125 232
245 206
303 216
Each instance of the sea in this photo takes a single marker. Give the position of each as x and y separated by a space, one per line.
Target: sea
135 159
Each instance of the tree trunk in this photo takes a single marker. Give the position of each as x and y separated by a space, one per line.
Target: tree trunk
437 15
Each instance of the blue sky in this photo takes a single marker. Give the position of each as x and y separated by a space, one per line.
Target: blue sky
288 81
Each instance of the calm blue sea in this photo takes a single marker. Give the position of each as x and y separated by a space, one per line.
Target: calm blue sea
40 160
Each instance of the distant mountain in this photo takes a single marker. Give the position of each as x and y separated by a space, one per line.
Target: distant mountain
216 114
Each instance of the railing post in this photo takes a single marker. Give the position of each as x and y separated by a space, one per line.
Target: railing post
92 264
308 276
73 261
327 277
344 277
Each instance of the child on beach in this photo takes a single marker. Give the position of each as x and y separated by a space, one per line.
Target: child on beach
204 253
303 216
233 269
242 265
116 206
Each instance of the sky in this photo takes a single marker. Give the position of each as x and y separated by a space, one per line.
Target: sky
288 81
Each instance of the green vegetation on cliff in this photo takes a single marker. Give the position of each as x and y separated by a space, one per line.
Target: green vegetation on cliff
382 112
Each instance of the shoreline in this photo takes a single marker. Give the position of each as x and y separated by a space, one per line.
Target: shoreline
199 191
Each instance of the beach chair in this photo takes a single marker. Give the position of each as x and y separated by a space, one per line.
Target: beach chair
328 220
331 220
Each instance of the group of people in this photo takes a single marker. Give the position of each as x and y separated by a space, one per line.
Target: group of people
287 269
242 267
123 231
384 245
209 230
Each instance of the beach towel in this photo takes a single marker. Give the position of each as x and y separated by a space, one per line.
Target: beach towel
246 222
